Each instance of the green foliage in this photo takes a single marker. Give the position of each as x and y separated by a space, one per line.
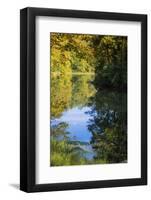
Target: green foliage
82 90
109 126
104 55
104 60
60 91
64 153
68 91
71 52
59 130
111 65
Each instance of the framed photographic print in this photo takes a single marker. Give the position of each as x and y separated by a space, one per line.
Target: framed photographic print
83 99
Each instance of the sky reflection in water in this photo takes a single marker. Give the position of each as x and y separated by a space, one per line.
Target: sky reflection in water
77 118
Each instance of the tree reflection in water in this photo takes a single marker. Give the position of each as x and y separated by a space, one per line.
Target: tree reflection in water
109 126
103 115
88 99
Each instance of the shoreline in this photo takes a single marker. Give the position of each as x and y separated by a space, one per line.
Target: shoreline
73 73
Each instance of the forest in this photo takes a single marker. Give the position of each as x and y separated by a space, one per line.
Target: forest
88 72
106 56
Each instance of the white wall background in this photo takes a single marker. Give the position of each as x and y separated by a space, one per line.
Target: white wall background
9 99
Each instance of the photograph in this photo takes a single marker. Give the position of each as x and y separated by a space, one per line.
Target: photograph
88 99
83 99
75 92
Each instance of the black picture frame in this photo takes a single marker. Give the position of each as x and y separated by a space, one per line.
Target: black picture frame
28 99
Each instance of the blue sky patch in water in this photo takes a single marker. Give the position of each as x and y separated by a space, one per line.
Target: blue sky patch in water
77 118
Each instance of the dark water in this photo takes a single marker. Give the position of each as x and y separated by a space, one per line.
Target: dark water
88 126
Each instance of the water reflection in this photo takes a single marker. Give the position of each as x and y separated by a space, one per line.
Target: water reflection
88 126
108 126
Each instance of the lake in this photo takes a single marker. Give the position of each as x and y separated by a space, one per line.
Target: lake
88 126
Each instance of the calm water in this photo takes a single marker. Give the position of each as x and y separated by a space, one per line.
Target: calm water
91 123
77 118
